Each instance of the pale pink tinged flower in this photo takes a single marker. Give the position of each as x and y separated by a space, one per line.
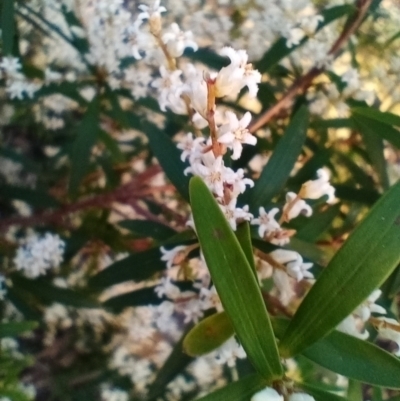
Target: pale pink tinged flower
301 397
266 221
268 394
213 176
177 41
174 256
239 182
315 189
292 210
369 306
389 333
235 133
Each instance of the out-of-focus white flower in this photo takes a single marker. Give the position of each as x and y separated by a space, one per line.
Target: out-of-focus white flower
266 221
234 214
293 262
229 352
39 254
351 326
213 175
177 41
149 12
301 397
369 306
166 288
390 329
315 189
191 147
113 394
168 83
238 74
268 394
174 256
292 210
235 133
10 65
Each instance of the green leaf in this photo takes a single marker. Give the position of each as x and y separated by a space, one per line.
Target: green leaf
147 228
357 359
241 390
317 224
168 156
47 293
352 194
87 135
175 364
244 237
374 145
13 329
112 146
208 335
374 127
139 266
382 116
275 174
7 26
354 391
362 264
318 394
34 197
235 282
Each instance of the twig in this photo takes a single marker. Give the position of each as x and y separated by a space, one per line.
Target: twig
303 83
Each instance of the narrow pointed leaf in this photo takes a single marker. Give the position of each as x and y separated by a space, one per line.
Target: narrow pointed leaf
320 395
362 264
168 156
7 26
208 335
382 116
148 228
244 237
277 171
241 390
235 282
87 135
13 329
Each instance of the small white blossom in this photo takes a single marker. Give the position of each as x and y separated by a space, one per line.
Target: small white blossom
174 256
315 189
11 65
235 133
293 262
39 254
268 394
149 12
266 221
192 147
167 289
235 214
229 352
177 41
350 325
292 210
369 306
301 397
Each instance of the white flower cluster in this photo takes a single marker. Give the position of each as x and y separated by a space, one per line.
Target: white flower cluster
38 254
17 85
113 394
270 394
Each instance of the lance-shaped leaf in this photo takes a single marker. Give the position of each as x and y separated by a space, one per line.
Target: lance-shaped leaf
318 394
147 228
208 335
277 171
13 329
362 264
168 156
351 357
244 237
241 390
235 282
382 116
7 26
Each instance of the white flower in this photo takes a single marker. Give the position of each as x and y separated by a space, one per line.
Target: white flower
238 74
351 326
177 41
174 256
293 262
191 147
196 90
213 175
301 397
367 307
268 394
235 133
39 254
389 329
166 288
11 65
168 84
315 189
266 221
149 12
239 182
292 210
234 214
229 352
